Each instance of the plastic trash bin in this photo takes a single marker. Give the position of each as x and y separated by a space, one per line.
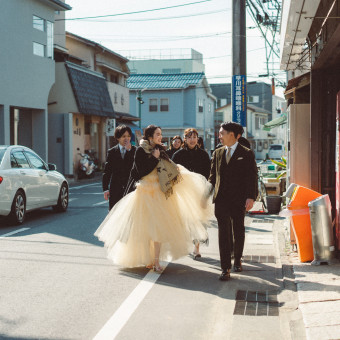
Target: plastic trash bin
301 221
322 230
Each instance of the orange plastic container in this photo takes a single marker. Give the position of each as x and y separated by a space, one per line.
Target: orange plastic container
301 221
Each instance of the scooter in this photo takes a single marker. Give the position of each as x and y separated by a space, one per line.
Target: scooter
86 167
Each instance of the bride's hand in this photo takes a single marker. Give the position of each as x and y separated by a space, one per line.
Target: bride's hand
156 153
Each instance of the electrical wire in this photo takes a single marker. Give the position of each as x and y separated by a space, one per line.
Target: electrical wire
135 12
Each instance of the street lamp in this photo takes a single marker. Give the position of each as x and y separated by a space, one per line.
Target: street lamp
140 102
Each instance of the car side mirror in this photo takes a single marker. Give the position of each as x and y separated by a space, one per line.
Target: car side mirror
52 167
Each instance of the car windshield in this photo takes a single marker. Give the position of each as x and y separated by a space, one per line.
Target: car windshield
2 152
276 147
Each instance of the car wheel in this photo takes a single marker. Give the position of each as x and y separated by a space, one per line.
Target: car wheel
62 204
18 211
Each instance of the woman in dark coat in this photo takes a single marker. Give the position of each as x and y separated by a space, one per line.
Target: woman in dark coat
175 145
192 157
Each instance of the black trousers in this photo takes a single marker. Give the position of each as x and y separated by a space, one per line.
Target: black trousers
115 196
230 221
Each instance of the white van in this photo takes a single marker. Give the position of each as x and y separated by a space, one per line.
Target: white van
276 151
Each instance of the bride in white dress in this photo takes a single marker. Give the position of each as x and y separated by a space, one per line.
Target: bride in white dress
161 218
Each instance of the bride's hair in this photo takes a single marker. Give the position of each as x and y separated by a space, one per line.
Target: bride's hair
148 133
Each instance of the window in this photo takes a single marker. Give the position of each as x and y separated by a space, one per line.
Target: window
2 152
38 23
259 122
200 105
35 161
39 49
116 98
253 99
114 78
49 47
122 99
19 160
164 104
171 70
209 108
104 74
153 105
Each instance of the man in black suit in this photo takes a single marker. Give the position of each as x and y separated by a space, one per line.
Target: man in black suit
233 175
118 165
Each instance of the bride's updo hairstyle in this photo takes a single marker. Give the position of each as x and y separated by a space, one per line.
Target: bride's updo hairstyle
148 133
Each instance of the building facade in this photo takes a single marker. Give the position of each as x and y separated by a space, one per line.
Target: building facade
174 102
90 90
27 70
310 36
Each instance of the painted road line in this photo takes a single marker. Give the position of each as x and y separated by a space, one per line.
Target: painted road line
14 232
100 203
84 186
72 199
115 324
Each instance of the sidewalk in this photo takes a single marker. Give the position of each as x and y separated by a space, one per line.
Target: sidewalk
318 291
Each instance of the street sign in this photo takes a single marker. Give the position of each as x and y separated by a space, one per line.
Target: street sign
110 127
239 92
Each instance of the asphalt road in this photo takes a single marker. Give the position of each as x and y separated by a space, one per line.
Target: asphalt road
56 283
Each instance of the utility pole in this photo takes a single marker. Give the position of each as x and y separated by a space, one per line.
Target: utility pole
140 102
239 67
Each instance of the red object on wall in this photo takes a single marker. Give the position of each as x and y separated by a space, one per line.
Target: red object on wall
337 173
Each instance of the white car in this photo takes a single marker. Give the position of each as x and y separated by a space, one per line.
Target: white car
28 183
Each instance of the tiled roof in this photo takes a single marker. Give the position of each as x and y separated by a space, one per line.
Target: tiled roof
163 81
90 91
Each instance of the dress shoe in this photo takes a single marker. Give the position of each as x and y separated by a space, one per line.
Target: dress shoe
238 268
225 276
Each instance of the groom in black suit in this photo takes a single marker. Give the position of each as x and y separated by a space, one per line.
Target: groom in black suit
233 175
118 165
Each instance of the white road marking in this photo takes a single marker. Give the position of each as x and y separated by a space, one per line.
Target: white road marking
14 232
100 203
73 199
83 186
117 321
87 193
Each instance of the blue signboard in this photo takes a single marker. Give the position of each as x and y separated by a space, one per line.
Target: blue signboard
239 91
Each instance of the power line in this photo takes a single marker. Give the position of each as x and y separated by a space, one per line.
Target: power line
135 12
160 18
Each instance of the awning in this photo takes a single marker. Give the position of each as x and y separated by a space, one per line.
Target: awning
275 122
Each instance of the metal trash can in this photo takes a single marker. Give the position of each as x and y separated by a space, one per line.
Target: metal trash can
322 233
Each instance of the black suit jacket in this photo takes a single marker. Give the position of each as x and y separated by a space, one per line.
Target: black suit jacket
117 171
239 179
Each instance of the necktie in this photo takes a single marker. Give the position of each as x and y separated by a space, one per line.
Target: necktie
228 155
123 152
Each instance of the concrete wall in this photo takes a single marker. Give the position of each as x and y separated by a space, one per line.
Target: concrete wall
157 66
26 78
119 91
61 98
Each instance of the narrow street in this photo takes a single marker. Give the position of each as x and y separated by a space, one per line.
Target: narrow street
56 283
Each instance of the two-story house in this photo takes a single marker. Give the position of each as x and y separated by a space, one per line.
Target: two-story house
91 87
174 102
27 70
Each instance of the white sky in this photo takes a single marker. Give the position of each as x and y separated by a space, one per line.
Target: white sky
209 34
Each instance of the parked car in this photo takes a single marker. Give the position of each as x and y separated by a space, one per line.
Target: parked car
276 151
28 183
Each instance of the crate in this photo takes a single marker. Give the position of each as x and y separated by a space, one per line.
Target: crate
272 186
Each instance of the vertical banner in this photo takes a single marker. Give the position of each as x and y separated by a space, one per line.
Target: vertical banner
239 92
